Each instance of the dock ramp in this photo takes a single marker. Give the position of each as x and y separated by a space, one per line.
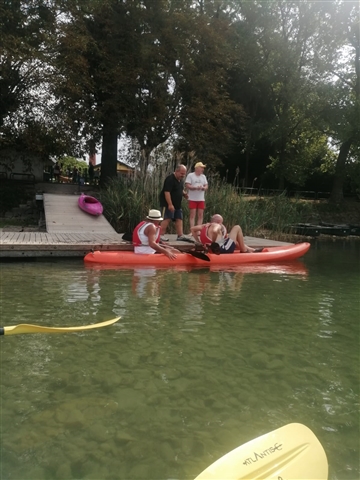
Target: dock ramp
63 215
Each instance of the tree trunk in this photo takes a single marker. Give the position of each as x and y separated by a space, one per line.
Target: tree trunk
337 194
109 153
145 158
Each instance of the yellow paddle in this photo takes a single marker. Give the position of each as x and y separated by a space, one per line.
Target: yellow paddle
26 328
291 452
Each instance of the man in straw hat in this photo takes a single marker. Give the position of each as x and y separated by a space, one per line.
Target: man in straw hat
196 185
146 236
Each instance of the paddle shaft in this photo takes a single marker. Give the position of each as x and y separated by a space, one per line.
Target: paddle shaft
27 328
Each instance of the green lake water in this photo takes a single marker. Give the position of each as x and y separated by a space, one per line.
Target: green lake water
201 362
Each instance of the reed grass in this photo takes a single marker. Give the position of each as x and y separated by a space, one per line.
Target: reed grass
127 200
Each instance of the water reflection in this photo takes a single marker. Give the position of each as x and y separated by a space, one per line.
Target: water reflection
148 284
295 267
326 305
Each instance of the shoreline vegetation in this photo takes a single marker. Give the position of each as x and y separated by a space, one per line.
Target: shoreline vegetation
127 200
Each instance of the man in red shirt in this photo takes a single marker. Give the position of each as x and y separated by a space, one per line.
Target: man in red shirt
215 235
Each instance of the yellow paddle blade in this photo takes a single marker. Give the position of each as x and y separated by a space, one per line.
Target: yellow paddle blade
291 452
26 328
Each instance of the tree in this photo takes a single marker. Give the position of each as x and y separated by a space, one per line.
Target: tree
22 28
27 120
274 79
124 52
339 64
150 69
208 118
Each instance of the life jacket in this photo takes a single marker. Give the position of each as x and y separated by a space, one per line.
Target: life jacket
142 225
204 239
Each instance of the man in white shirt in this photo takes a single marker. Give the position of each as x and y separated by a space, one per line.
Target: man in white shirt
196 185
146 236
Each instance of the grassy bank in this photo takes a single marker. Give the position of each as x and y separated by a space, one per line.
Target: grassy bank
126 201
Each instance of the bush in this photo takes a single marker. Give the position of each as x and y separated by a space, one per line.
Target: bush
127 200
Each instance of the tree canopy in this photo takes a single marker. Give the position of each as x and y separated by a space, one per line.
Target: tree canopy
265 90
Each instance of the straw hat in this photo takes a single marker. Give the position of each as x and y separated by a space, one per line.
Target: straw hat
154 215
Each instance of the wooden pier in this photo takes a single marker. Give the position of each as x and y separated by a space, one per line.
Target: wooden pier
43 244
69 232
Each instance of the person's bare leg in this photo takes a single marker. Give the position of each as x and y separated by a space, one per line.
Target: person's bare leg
164 225
238 237
179 227
200 216
192 213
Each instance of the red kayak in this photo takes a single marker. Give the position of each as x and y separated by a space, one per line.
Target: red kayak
268 255
294 267
90 205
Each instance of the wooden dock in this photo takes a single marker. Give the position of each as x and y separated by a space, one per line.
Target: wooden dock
43 244
70 232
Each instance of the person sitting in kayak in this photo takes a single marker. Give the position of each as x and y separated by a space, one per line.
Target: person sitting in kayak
214 234
146 236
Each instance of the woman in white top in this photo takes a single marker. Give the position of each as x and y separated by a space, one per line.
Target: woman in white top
196 185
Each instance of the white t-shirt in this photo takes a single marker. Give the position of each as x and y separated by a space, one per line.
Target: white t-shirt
196 180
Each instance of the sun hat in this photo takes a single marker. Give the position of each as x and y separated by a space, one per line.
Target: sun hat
154 215
200 164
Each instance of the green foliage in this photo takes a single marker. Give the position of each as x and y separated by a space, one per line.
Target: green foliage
71 162
254 214
28 120
25 32
127 201
256 77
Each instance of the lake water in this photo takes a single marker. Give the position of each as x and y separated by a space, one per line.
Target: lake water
201 362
